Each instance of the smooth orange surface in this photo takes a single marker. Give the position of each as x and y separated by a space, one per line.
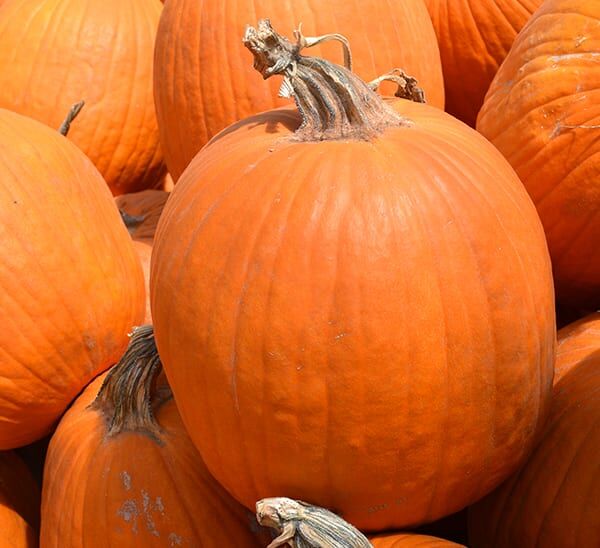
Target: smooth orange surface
474 38
554 500
204 78
19 503
542 112
131 491
54 53
356 324
577 343
72 286
149 205
410 540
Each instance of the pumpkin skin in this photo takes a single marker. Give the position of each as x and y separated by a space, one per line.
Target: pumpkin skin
72 284
474 38
199 90
19 503
57 52
554 500
410 540
576 343
550 83
133 489
148 205
300 303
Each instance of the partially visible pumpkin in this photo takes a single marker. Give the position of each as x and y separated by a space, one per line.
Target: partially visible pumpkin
144 209
352 303
19 503
204 81
410 540
141 211
542 112
56 52
121 470
554 500
72 286
577 343
474 38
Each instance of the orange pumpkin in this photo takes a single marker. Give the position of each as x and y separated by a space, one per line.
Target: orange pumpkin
542 112
122 471
72 286
554 500
352 304
141 213
410 540
56 52
576 343
474 38
204 81
19 503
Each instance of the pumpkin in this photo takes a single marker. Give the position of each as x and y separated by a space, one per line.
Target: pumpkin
542 112
343 303
122 471
474 39
554 499
141 211
72 286
577 343
56 52
203 80
19 503
410 540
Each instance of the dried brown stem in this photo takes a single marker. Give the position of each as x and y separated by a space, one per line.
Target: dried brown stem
301 525
334 103
127 396
408 87
71 115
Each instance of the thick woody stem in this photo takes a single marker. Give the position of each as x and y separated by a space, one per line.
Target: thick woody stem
334 103
301 525
72 114
128 396
408 87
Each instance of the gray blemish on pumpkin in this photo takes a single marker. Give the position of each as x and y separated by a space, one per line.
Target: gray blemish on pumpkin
129 512
148 508
126 479
341 336
175 540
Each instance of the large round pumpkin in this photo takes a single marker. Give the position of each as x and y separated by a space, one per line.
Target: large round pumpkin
121 470
19 503
141 211
554 500
474 38
56 52
72 286
542 112
204 79
346 314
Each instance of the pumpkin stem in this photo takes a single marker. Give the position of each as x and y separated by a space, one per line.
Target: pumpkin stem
71 115
127 396
310 41
334 103
407 85
301 525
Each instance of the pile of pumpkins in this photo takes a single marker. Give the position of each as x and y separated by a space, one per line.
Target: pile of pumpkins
263 290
